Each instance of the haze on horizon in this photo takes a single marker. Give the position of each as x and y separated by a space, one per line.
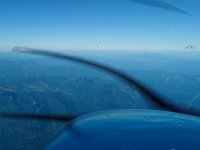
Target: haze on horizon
93 25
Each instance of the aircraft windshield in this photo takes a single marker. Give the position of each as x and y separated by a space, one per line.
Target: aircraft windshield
155 41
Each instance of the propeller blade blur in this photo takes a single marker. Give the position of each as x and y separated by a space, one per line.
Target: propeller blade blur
58 118
162 5
156 98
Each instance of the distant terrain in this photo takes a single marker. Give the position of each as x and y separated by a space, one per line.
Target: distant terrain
34 84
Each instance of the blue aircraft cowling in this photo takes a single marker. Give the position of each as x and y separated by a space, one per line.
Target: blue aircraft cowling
130 130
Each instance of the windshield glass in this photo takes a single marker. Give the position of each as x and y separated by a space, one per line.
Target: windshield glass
154 41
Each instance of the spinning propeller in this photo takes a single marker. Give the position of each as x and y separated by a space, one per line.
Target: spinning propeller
134 83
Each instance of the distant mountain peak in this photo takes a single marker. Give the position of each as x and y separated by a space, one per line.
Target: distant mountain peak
20 49
191 47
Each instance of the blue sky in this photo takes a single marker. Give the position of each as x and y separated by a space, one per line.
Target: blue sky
84 24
